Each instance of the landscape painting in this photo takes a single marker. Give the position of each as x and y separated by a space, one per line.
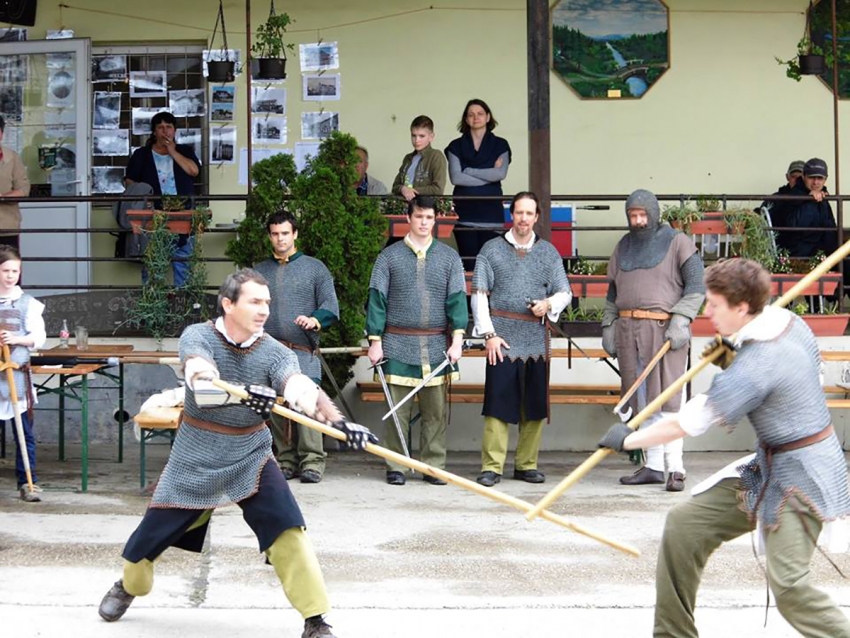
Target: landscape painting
610 48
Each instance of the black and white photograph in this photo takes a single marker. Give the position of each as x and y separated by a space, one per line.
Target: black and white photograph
223 94
223 145
221 112
148 84
218 55
107 179
60 86
269 130
107 109
142 116
267 99
110 143
191 137
12 103
59 34
13 69
188 103
13 35
318 56
109 68
317 125
317 88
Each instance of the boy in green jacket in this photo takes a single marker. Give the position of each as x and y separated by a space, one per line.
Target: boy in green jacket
422 172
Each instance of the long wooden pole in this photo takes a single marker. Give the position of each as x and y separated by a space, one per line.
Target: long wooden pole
643 375
9 366
577 474
423 468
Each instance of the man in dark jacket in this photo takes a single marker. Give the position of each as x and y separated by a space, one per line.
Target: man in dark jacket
815 213
781 211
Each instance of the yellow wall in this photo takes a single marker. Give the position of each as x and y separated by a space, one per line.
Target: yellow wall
723 119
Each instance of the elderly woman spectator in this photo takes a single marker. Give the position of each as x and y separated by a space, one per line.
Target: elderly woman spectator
478 162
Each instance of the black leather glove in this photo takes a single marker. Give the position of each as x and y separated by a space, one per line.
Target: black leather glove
720 343
260 399
357 436
615 436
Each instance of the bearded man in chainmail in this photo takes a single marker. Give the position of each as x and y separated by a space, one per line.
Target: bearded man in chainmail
303 304
222 454
519 282
416 318
793 487
655 289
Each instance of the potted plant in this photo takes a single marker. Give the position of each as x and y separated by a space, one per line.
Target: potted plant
810 58
395 210
269 49
580 321
828 323
178 218
588 279
224 70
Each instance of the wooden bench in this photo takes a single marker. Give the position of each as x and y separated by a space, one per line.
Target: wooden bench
371 392
153 423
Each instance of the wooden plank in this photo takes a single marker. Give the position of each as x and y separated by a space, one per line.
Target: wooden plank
835 355
371 386
159 418
838 403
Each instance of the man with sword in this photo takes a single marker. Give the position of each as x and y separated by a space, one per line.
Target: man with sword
222 454
416 318
303 304
21 330
519 281
655 289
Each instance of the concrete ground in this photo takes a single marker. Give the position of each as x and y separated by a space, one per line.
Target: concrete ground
409 562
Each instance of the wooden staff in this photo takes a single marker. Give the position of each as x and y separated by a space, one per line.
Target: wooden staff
577 474
418 466
10 366
643 375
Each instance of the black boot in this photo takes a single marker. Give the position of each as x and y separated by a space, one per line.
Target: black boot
316 627
115 603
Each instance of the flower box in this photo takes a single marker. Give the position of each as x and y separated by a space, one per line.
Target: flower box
443 226
179 221
589 285
780 283
821 325
577 329
702 327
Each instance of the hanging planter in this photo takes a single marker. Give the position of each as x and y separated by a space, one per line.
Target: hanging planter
269 49
812 64
221 71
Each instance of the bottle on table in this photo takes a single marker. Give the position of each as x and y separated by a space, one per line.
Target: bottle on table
64 334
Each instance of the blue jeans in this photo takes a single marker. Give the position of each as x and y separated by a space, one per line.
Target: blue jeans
184 248
29 438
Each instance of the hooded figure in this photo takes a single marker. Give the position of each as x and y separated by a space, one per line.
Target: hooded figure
655 289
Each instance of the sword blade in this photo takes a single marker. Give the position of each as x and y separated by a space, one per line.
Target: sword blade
335 386
389 397
421 385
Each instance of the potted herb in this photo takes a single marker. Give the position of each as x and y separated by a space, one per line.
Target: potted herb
579 321
269 49
810 58
828 323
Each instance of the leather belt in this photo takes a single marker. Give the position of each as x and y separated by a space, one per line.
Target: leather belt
817 437
296 346
519 316
418 332
223 429
645 314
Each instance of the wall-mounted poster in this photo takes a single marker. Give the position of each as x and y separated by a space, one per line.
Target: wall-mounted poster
270 130
107 109
107 179
223 103
610 49
188 103
142 116
318 125
13 69
109 68
60 84
222 144
268 99
148 84
110 143
191 137
12 103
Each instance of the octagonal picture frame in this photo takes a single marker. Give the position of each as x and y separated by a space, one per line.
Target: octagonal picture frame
603 49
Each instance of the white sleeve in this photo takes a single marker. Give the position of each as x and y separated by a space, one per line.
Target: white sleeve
34 326
695 417
481 314
558 302
301 394
198 365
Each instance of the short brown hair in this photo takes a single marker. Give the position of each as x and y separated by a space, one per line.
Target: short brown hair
740 280
422 121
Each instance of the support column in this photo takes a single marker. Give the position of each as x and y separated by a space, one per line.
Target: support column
539 135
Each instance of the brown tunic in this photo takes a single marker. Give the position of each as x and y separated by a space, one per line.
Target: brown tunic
658 288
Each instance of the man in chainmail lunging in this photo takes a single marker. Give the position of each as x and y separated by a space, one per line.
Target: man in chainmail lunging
222 454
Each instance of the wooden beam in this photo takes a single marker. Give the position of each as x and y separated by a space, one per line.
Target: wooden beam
539 165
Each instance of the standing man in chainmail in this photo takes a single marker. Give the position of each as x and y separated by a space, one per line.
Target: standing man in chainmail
222 454
794 486
655 289
519 282
303 304
416 317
